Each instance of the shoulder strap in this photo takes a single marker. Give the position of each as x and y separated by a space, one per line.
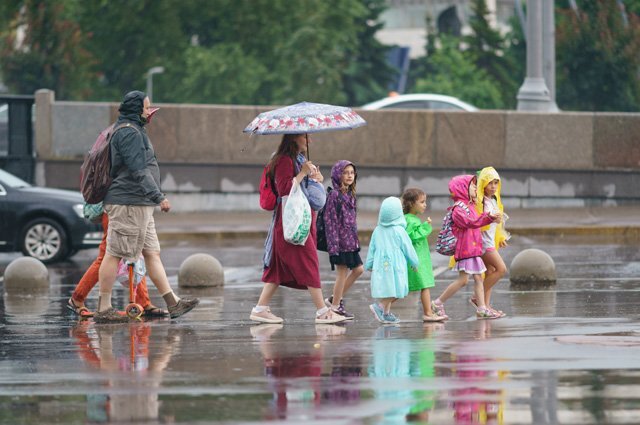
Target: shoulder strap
123 125
461 205
339 203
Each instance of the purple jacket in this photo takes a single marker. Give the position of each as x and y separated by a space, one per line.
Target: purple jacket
466 226
340 215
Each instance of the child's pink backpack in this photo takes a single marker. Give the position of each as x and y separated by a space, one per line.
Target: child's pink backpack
446 242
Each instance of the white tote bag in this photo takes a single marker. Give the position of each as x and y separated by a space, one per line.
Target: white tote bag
296 216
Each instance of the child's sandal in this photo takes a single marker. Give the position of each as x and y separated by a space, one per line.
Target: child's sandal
434 318
500 313
484 313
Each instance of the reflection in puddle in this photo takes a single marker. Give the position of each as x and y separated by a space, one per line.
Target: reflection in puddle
133 371
565 356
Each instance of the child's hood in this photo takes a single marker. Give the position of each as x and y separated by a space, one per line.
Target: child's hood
336 172
391 213
459 188
487 175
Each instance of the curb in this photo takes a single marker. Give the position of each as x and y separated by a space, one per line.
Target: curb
607 233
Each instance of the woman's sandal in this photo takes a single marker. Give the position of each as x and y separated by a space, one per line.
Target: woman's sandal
81 311
153 311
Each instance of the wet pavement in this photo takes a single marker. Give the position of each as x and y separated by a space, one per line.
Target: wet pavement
569 354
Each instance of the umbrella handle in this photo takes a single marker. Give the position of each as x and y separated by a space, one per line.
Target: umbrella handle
306 135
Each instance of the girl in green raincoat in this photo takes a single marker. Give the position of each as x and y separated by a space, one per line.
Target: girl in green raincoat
414 203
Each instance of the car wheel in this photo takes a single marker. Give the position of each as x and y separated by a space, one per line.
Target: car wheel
45 240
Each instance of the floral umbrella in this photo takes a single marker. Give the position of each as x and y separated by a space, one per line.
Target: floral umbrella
305 117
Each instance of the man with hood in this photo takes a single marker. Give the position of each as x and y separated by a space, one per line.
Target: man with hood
129 204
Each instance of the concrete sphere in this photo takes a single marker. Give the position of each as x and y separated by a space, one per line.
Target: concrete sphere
532 268
25 274
200 270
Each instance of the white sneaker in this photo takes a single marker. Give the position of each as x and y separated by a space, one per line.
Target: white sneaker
265 317
330 317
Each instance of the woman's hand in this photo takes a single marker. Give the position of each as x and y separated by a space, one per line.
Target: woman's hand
317 175
306 169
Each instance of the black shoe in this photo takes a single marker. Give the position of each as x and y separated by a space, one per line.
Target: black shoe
342 311
110 315
183 306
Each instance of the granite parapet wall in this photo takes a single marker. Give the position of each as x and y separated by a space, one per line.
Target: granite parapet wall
202 149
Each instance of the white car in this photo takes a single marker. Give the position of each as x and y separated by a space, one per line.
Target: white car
420 101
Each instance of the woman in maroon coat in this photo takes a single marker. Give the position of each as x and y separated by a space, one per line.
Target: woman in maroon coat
295 266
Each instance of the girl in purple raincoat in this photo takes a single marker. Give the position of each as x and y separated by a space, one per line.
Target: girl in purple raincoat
342 233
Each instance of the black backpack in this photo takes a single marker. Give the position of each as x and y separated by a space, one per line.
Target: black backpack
321 234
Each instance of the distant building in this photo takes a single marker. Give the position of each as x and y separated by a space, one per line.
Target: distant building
405 21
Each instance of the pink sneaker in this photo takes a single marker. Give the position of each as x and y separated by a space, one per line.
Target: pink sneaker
330 317
265 317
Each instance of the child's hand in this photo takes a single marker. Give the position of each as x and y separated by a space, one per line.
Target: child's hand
428 220
497 217
503 244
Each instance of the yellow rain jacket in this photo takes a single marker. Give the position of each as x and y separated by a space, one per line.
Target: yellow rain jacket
486 175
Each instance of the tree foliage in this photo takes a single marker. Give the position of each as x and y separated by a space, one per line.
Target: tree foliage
43 48
598 58
472 68
486 49
450 71
213 51
367 74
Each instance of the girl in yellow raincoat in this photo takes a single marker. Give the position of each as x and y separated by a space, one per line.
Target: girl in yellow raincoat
494 236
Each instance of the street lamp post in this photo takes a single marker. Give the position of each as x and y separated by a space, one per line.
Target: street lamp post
150 72
534 94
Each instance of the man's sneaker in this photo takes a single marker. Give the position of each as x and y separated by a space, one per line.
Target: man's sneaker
390 318
183 306
342 311
438 309
110 315
265 316
377 311
329 317
328 301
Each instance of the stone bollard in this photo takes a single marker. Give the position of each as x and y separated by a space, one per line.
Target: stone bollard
532 268
26 290
200 270
25 274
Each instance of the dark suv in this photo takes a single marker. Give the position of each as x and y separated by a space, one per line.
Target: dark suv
43 223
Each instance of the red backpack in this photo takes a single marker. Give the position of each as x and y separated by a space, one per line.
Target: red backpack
268 195
95 171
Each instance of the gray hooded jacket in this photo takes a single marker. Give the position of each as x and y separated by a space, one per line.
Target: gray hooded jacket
134 167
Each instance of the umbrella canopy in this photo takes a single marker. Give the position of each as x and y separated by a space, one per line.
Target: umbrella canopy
305 117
